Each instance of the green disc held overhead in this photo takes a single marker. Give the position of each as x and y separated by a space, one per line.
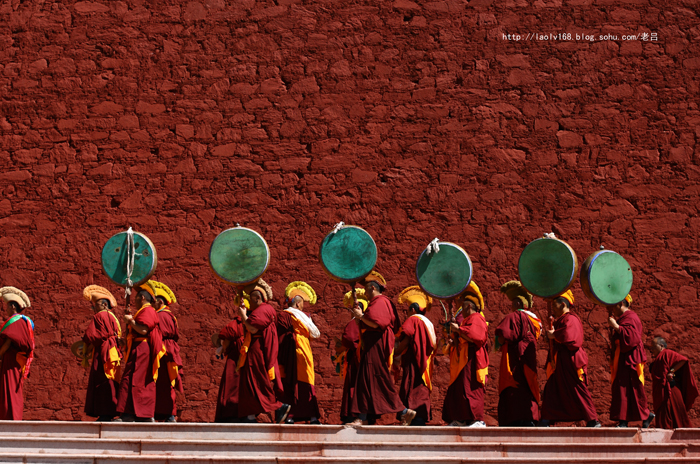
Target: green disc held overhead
115 256
547 267
239 256
348 254
446 273
606 278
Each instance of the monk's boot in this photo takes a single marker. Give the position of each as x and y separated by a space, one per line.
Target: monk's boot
407 416
647 421
622 425
594 424
171 419
281 413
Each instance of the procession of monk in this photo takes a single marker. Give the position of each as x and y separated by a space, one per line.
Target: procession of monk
136 374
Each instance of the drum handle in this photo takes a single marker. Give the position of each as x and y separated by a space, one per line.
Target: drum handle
130 257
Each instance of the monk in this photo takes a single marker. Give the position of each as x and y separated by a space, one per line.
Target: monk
229 342
566 397
516 336
629 401
170 371
674 387
375 393
103 334
467 344
16 352
295 329
259 372
417 342
347 356
136 400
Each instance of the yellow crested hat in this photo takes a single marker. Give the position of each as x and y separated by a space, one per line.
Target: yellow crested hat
148 287
374 276
628 299
163 290
349 302
569 296
16 295
414 294
514 290
262 287
473 294
302 289
94 293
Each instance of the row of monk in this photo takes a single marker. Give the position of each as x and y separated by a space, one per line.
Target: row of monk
269 365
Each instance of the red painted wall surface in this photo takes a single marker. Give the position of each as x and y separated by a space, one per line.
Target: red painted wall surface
412 120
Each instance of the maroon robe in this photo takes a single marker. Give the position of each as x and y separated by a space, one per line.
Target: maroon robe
374 389
137 390
300 395
227 403
21 337
102 334
566 397
672 400
518 403
259 373
414 392
165 390
351 342
464 399
629 401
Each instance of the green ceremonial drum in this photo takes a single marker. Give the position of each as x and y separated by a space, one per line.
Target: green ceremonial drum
446 273
547 267
239 256
117 252
348 254
606 277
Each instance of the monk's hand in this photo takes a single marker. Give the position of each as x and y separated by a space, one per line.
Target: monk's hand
671 376
454 327
243 312
550 334
356 311
129 318
613 323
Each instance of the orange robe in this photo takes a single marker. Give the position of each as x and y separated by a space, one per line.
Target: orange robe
14 366
103 334
137 389
464 400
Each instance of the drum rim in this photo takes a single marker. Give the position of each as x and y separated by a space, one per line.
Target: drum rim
592 295
333 276
471 271
267 261
572 279
150 273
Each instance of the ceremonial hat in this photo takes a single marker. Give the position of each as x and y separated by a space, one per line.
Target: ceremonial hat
94 293
414 294
349 301
473 294
374 276
628 299
568 295
163 290
16 295
302 289
148 287
80 349
261 286
514 290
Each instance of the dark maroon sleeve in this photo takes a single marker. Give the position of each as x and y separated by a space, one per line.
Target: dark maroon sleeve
630 334
380 312
568 331
261 317
168 326
475 327
510 328
285 324
19 334
101 327
148 317
351 335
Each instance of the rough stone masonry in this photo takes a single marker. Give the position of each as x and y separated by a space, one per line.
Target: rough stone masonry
413 120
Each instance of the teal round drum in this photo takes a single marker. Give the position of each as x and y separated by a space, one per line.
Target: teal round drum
239 256
445 273
547 267
348 254
606 277
116 255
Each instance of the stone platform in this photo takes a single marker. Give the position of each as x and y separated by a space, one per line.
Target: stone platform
130 443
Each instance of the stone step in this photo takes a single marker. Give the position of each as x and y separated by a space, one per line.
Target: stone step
334 433
339 449
41 458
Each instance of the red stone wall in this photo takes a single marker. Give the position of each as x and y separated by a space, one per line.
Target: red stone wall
412 120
